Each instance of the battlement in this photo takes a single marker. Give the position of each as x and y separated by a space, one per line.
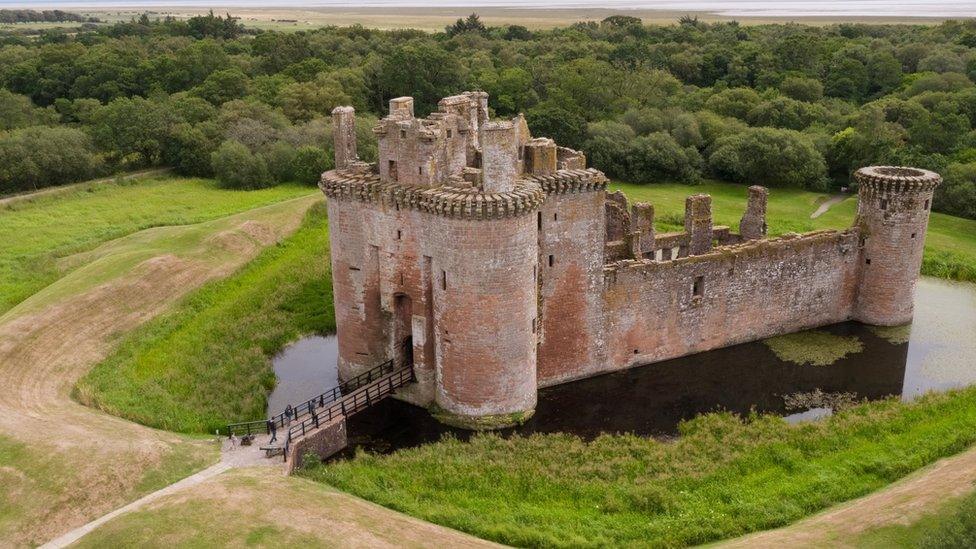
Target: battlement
896 179
446 201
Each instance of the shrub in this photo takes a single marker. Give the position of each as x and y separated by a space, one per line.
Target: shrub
769 156
236 167
310 162
735 102
41 156
658 157
281 162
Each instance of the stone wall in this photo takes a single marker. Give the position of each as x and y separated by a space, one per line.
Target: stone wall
571 256
656 310
324 442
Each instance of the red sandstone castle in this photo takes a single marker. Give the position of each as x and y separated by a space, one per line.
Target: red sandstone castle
498 263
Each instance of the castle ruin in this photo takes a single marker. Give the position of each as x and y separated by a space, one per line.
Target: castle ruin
497 263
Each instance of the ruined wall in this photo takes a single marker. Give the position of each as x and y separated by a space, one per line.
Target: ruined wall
661 310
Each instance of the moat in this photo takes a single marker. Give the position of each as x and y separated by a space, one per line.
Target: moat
652 400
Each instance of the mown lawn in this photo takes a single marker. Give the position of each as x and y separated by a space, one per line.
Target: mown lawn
950 244
207 363
36 235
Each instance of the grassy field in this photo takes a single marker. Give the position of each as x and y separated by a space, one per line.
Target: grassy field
950 244
436 18
206 364
36 235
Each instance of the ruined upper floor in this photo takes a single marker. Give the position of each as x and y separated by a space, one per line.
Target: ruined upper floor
456 146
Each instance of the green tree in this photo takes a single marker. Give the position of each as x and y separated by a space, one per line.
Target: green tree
420 69
658 157
736 102
223 86
237 167
802 88
42 156
769 156
551 119
310 163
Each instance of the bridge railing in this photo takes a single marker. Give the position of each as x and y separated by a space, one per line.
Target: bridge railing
356 401
305 408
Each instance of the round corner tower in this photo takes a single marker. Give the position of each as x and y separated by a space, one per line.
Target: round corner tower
892 216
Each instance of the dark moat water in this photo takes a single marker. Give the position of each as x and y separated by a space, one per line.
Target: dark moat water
652 400
304 369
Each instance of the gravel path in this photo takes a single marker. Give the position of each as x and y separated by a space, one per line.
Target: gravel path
827 204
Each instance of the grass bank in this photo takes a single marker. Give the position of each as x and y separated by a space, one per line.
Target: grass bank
36 235
206 363
950 244
723 477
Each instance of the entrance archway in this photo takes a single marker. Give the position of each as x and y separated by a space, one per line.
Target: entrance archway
403 330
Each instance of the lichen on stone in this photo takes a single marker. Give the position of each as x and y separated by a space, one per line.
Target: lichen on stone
813 347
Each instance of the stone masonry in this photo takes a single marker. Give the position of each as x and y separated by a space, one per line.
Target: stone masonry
498 263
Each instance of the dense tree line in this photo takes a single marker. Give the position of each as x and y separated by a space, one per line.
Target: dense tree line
771 104
46 16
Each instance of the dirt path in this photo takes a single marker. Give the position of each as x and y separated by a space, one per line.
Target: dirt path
66 463
15 198
192 480
904 502
827 204
248 506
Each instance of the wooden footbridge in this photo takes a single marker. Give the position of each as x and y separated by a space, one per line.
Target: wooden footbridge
327 409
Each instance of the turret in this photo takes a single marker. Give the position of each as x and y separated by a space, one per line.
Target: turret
892 216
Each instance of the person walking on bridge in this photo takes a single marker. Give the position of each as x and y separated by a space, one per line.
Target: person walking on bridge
273 429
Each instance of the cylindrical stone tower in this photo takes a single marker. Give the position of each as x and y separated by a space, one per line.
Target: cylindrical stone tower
484 310
892 215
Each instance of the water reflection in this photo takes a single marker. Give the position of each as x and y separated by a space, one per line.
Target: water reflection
304 369
942 348
652 400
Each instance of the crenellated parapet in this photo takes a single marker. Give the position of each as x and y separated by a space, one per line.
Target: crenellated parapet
570 181
447 201
875 180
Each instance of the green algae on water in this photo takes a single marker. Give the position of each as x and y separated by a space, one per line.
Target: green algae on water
813 347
